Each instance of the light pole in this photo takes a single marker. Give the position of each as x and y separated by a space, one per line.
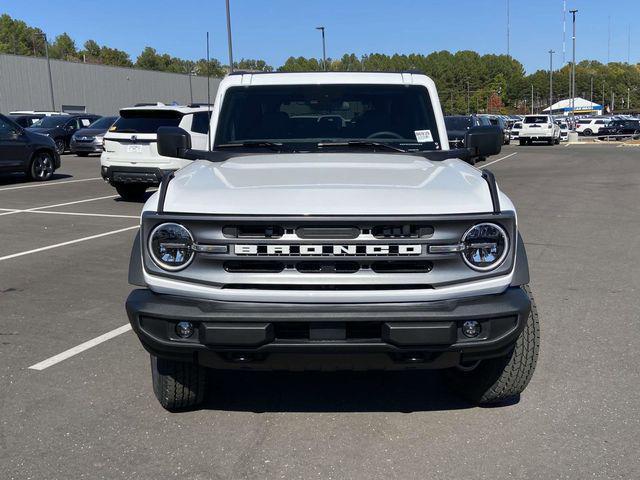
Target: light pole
324 50
508 28
229 38
573 71
551 52
468 106
532 99
46 51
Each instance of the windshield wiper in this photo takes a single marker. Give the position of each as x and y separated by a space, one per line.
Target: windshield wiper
360 144
271 145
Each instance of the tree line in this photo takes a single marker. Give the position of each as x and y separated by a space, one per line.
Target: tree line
467 81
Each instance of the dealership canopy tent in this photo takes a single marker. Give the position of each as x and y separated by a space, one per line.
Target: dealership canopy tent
581 106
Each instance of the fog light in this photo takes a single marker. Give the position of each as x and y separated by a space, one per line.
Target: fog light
471 328
184 329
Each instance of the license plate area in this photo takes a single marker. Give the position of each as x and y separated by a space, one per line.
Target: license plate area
134 148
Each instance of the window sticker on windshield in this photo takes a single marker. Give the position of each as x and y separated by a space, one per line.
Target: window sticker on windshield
423 136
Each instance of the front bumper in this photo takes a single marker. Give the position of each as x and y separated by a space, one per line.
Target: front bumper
231 335
148 176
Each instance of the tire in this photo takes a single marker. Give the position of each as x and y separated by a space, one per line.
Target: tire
501 380
41 167
522 142
472 161
587 132
131 192
557 141
177 385
551 142
60 146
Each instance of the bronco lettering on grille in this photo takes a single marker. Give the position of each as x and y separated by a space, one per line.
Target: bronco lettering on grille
333 250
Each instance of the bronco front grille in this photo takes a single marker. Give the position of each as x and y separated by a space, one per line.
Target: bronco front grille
332 253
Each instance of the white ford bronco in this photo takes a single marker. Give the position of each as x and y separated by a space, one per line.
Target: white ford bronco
329 226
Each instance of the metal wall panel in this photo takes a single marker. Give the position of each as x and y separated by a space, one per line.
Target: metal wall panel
24 85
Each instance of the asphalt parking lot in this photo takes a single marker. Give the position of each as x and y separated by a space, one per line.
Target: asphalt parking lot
63 281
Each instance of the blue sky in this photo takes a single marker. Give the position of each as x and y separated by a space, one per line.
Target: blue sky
276 29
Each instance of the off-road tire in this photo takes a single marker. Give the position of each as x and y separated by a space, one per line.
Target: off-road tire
131 192
500 380
177 385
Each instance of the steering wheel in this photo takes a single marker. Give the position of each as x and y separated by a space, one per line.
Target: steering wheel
385 134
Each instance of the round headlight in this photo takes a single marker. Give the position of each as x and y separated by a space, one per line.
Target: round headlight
170 246
485 246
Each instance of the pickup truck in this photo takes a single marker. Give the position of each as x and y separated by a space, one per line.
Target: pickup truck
329 226
539 128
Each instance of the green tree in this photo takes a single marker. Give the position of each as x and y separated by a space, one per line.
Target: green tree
252 65
63 48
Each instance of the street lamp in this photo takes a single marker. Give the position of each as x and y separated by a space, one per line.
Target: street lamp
324 50
573 71
551 52
229 38
46 50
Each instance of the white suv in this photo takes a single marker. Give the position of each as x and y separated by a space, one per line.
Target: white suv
590 126
130 160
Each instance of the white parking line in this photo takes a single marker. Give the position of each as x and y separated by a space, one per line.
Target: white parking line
63 244
80 348
58 205
82 214
49 183
499 160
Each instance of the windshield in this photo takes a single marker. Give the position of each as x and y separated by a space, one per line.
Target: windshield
145 121
302 116
458 123
103 123
51 122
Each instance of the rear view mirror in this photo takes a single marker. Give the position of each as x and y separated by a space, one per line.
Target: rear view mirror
173 142
483 141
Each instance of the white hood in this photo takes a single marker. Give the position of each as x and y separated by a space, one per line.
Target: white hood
328 184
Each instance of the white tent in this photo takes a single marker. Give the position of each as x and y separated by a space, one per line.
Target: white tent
581 106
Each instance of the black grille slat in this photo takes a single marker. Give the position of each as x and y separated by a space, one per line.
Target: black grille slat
402 266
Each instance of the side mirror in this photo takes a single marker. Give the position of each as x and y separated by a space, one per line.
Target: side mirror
173 142
484 141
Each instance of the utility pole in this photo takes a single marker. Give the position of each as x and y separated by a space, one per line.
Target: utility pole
551 52
628 43
229 38
603 99
508 29
468 106
609 39
564 31
591 90
532 99
573 71
628 98
324 50
46 51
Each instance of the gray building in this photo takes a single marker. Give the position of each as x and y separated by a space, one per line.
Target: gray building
24 85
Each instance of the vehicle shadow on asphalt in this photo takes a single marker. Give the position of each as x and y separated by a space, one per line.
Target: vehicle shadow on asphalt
259 392
19 178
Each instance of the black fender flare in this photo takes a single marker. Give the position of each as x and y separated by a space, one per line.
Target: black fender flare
135 264
521 269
